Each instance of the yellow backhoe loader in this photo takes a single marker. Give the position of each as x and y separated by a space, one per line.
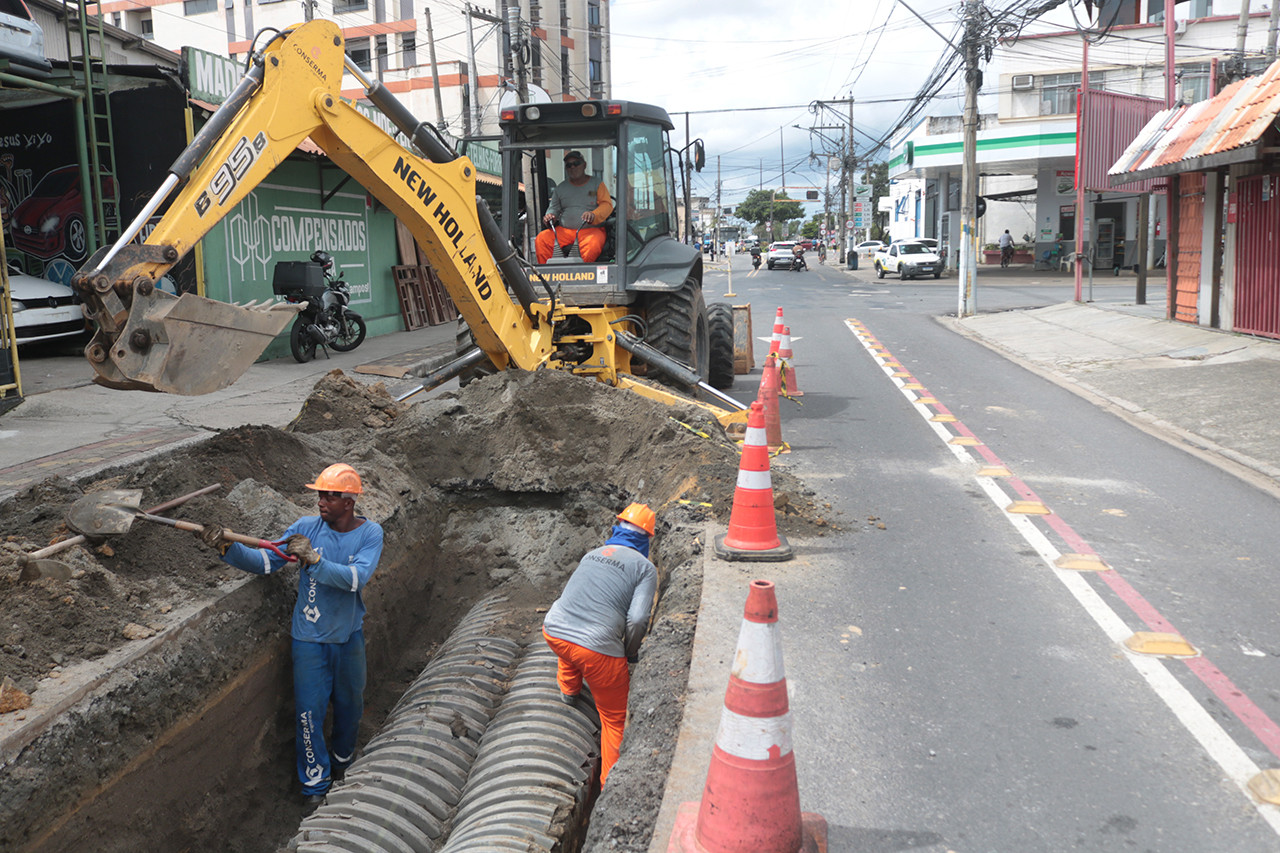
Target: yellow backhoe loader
640 300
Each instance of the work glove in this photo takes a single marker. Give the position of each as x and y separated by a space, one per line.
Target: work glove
211 535
300 546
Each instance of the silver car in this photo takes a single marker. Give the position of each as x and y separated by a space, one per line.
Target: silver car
22 40
43 310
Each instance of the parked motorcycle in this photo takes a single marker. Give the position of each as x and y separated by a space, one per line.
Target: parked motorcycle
325 321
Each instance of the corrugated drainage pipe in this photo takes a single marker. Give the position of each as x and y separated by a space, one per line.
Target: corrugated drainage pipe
479 754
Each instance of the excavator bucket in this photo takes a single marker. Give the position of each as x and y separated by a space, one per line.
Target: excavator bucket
186 344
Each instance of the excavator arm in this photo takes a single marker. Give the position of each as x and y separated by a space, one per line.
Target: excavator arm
151 340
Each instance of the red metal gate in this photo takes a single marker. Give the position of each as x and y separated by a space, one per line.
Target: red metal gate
1186 288
1257 277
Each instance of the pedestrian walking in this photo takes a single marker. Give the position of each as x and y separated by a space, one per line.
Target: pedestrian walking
338 552
596 625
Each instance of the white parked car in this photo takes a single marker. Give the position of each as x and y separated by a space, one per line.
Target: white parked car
43 310
908 260
868 247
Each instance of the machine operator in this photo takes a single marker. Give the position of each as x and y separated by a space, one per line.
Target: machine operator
579 200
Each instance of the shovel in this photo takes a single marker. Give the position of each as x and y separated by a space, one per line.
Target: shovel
37 565
112 513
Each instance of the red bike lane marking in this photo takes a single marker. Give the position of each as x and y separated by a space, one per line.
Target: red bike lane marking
1245 709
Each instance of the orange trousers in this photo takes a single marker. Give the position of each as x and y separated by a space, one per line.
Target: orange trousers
590 242
609 681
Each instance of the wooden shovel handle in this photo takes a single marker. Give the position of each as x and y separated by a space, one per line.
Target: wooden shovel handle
80 539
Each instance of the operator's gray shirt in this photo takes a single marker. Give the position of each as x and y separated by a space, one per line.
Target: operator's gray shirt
605 605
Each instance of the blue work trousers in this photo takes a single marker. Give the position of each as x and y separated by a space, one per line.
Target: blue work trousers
324 673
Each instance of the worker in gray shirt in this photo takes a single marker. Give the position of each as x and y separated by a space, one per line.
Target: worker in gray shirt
596 625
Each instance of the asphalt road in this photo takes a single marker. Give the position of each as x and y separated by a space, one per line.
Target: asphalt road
950 689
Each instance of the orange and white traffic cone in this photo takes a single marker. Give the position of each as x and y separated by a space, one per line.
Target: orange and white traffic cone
777 331
751 800
767 396
753 530
789 386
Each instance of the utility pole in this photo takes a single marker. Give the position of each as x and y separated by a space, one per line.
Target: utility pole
473 85
515 36
845 234
715 238
309 9
968 296
435 73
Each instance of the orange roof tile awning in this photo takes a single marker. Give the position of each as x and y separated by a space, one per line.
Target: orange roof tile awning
1225 129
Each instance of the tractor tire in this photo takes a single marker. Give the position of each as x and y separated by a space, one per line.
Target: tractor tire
463 341
677 323
720 327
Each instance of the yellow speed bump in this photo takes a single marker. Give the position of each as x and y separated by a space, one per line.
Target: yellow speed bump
965 441
1081 563
1158 643
912 386
928 401
941 419
1266 786
901 374
994 471
1027 508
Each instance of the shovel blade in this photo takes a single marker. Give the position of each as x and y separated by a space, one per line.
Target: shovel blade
33 570
107 513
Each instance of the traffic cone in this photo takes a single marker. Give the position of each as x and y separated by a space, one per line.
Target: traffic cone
777 331
770 384
788 387
753 531
751 801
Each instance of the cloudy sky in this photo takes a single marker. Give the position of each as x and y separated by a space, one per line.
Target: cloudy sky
747 71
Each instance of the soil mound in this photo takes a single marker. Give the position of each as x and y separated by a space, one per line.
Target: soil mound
503 484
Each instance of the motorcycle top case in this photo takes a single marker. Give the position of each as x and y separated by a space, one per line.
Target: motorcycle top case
306 277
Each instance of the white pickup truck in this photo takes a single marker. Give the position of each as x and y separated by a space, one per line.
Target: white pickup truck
908 259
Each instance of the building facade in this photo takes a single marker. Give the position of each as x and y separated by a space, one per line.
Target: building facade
453 65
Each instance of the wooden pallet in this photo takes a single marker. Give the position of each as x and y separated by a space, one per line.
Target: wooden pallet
411 290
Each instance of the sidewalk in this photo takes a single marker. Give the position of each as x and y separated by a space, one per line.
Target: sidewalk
70 427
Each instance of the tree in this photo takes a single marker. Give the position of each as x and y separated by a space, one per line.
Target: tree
763 206
814 226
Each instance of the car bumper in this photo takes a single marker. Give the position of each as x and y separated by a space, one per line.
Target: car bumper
44 324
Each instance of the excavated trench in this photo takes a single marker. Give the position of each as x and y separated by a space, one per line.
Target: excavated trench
159 680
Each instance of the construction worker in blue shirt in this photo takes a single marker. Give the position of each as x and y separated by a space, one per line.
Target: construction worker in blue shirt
338 552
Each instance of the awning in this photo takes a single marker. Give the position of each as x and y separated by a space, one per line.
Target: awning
1222 130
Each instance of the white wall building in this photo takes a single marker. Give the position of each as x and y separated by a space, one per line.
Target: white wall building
1031 140
567 54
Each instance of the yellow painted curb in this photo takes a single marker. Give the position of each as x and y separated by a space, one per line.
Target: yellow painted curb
994 471
1027 508
942 419
1157 643
1082 563
1266 786
964 441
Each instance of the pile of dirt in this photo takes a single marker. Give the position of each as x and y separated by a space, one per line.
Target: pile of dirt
503 484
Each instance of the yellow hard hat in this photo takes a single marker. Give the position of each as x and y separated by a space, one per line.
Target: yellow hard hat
641 516
338 478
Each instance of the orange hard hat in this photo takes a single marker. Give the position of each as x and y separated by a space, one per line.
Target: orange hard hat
641 516
338 478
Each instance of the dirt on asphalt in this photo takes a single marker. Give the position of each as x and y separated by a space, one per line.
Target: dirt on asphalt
499 486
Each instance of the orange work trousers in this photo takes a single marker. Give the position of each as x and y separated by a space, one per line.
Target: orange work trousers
590 242
609 681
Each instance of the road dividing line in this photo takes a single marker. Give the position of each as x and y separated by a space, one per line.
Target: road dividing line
993 479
